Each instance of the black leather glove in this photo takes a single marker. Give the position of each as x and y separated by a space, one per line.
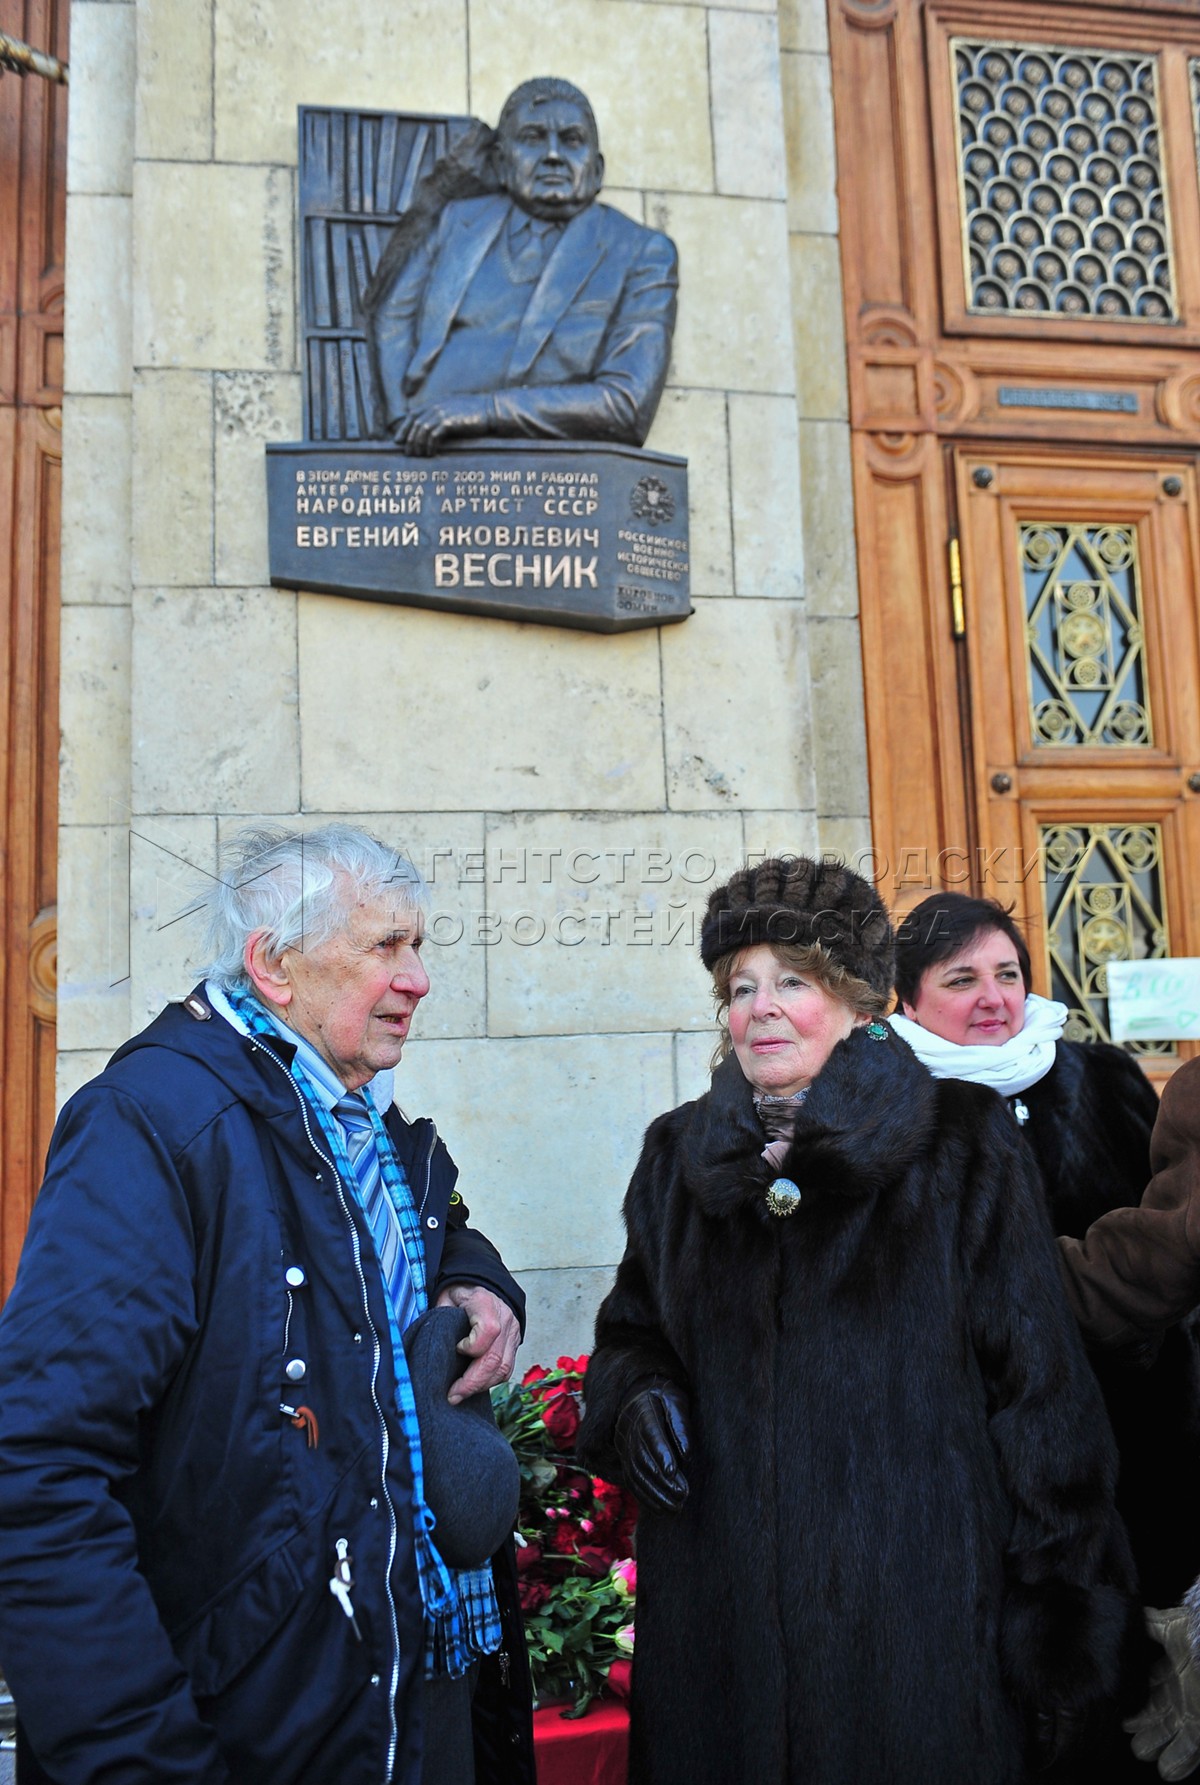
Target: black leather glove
651 1440
1055 1733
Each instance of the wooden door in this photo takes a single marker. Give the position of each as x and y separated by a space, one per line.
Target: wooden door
1019 194
32 229
1080 575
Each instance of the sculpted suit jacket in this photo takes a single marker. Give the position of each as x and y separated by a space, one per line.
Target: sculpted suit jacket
590 357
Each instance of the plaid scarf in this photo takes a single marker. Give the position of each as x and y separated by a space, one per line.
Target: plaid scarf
462 1619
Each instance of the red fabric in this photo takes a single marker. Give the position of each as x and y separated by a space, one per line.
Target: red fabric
588 1750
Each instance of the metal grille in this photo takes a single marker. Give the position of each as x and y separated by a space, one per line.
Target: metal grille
1084 638
1104 902
1064 207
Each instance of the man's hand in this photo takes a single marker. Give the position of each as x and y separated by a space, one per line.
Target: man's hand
492 1341
422 429
1169 1727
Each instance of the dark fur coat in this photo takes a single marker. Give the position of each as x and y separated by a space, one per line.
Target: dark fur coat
1089 1127
899 1541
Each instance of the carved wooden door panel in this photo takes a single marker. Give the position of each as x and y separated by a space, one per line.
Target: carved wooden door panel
1080 576
1020 230
32 228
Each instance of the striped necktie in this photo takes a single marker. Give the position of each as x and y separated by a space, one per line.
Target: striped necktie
382 1218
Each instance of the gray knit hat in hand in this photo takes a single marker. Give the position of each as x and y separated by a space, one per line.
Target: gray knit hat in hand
472 1481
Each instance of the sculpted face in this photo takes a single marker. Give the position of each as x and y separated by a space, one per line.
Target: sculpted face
550 159
783 1024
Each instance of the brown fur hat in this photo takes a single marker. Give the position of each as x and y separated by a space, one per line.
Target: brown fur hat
792 900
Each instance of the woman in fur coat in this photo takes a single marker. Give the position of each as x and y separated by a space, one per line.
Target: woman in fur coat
877 1540
1086 1111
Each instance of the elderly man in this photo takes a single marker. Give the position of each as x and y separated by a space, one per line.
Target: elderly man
216 1561
533 310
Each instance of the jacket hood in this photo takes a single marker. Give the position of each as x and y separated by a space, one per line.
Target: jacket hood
195 1030
868 1116
253 1072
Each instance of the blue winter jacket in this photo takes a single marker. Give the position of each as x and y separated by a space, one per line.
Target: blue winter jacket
167 1534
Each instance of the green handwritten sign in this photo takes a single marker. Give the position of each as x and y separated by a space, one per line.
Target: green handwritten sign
1154 1000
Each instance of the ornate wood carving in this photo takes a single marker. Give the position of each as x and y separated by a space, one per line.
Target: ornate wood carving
870 14
941 390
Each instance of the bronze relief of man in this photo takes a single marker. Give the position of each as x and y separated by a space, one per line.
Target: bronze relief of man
531 309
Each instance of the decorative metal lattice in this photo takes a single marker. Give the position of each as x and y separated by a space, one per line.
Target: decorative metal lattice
1104 902
1084 639
1064 201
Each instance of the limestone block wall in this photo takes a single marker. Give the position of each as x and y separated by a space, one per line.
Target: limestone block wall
572 798
822 400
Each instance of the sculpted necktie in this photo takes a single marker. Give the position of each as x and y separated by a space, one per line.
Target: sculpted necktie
382 1219
531 245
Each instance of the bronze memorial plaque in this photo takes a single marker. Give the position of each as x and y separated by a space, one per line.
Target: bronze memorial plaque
485 345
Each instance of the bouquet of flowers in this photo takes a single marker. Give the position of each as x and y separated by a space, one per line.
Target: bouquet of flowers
577 1576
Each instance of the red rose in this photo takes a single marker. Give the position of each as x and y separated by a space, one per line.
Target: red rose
534 1374
596 1561
532 1594
529 1557
561 1418
620 1677
563 1539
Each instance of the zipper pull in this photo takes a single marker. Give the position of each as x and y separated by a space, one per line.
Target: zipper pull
342 1581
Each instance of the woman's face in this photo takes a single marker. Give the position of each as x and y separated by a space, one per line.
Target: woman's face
783 1024
977 998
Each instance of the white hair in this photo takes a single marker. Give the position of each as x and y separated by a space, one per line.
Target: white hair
298 888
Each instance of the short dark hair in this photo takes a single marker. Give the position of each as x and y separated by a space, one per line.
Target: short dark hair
941 927
537 91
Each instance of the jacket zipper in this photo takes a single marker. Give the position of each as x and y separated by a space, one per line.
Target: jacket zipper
385 1442
428 1161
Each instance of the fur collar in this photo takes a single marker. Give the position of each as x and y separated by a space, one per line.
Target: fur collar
871 1111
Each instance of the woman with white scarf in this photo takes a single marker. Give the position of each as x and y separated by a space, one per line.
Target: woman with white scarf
966 1008
1086 1112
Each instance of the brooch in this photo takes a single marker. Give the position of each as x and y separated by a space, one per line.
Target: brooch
783 1197
877 1031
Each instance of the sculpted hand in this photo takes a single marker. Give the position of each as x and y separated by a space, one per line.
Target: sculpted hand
492 1341
1169 1727
425 427
652 1442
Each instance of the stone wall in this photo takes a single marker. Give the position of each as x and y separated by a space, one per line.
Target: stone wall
572 797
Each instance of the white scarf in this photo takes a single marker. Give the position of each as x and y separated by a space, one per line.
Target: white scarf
1009 1068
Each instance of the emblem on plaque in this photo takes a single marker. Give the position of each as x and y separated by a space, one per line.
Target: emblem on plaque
652 501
